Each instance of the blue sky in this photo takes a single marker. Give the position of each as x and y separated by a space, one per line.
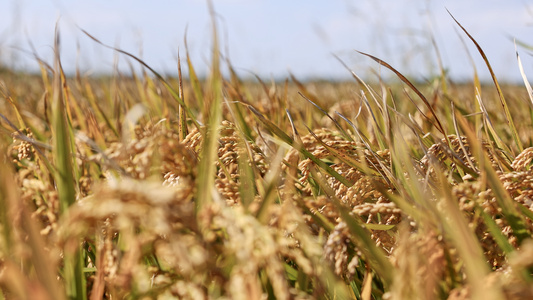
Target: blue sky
272 38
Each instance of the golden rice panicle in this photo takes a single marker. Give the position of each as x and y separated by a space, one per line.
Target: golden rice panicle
178 161
515 286
470 196
251 248
150 220
336 251
193 140
227 181
523 161
473 194
322 205
519 184
419 257
154 150
24 149
511 278
229 153
364 188
35 185
460 149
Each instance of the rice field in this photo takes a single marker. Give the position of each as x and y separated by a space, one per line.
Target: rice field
140 186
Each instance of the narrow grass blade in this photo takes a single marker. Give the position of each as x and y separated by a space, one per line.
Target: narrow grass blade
20 120
361 238
489 127
477 83
471 166
504 200
342 131
378 226
65 181
271 183
438 124
62 151
271 97
98 109
380 136
195 82
285 138
496 232
248 171
366 289
503 102
237 112
345 158
526 211
182 117
456 227
247 176
524 77
236 106
172 92
213 113
388 175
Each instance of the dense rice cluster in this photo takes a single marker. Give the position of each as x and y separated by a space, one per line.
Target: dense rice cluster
376 209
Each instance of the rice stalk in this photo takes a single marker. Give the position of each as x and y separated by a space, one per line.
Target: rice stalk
65 180
212 113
